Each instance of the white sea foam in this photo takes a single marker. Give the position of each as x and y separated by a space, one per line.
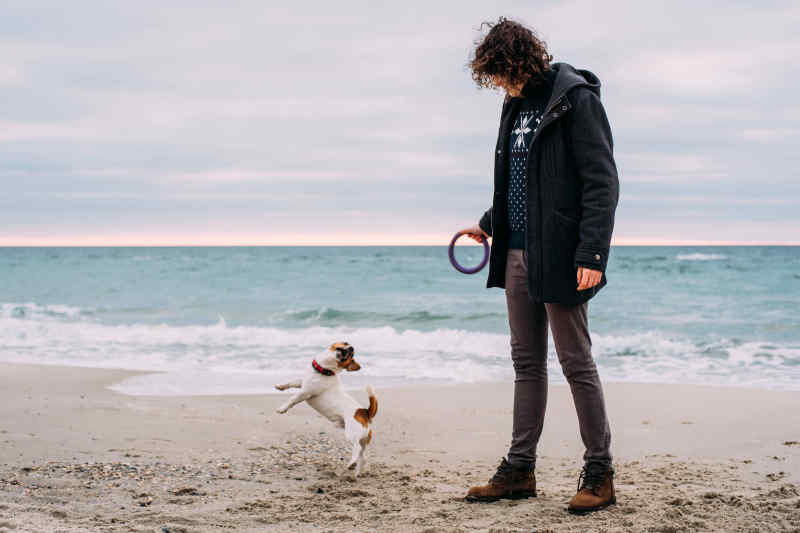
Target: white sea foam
35 311
246 359
700 257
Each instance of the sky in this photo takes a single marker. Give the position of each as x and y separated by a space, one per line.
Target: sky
235 123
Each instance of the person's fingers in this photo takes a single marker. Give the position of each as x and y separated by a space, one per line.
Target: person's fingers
585 277
475 233
588 278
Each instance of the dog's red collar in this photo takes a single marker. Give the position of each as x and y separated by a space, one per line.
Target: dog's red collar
323 371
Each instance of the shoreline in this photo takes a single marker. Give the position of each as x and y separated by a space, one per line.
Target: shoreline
128 373
79 457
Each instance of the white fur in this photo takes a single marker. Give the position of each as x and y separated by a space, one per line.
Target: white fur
325 394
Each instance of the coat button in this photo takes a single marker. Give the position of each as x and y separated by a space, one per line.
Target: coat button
597 256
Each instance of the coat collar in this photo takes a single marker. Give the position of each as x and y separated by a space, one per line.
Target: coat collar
539 83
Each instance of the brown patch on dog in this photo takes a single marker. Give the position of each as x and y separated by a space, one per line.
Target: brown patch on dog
344 356
373 407
366 440
362 416
349 364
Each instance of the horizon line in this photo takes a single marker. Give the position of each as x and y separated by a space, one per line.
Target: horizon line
317 244
322 239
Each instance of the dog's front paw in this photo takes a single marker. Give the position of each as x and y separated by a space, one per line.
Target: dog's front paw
282 409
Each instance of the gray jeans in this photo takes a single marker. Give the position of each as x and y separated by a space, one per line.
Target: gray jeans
570 327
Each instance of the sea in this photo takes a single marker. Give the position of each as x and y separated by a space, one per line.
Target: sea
237 320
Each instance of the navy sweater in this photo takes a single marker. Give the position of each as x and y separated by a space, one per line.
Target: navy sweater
525 124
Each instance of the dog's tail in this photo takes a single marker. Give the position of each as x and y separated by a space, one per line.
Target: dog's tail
372 410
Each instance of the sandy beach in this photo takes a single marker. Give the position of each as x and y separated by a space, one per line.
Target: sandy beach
77 457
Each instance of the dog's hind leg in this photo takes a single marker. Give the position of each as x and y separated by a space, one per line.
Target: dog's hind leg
355 458
363 442
362 460
296 384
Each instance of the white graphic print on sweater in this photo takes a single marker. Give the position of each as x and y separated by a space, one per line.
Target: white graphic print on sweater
521 137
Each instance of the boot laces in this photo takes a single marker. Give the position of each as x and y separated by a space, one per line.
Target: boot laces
592 477
504 472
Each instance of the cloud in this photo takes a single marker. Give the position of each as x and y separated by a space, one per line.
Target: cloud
161 109
661 167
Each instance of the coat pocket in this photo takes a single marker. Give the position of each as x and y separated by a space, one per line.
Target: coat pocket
565 220
563 261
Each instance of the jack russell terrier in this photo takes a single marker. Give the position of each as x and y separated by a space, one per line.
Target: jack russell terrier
321 388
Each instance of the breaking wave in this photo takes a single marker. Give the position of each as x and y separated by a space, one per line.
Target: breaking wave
219 358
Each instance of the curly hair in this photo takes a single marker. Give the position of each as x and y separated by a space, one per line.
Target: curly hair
509 50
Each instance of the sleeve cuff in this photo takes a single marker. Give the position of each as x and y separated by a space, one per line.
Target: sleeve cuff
485 224
591 258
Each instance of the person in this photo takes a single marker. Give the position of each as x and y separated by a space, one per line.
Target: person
555 194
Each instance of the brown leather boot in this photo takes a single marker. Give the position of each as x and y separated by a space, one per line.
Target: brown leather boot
595 489
508 482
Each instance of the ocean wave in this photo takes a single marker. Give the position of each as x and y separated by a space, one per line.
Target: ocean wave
35 311
328 314
323 316
388 354
244 348
701 257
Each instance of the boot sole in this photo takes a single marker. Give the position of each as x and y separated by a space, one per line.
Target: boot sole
592 509
486 499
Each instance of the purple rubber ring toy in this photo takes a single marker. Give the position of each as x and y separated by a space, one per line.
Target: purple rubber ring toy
451 253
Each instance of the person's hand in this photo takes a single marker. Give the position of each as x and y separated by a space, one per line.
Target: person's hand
588 278
475 233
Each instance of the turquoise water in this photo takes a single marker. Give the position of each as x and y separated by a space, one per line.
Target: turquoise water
219 320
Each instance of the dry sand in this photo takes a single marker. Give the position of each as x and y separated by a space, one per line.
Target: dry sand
76 457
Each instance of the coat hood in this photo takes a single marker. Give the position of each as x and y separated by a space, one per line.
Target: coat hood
567 78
